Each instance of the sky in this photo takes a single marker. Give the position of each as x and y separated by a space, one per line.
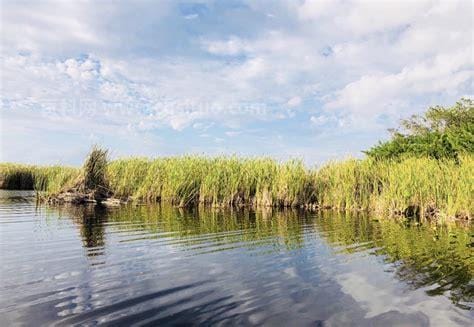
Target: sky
317 80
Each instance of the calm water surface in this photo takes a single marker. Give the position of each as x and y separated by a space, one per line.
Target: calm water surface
152 265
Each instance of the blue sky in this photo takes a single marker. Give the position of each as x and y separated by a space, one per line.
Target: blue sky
318 80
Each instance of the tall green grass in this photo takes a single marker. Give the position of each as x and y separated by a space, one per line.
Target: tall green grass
220 181
94 170
439 188
443 188
51 179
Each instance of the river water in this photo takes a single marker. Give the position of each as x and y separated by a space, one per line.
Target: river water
158 265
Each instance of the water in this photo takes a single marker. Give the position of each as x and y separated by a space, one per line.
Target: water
152 265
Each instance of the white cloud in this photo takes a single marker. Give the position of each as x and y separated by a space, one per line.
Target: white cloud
192 16
233 133
344 62
365 16
314 9
294 101
374 93
319 120
233 46
115 92
79 70
39 25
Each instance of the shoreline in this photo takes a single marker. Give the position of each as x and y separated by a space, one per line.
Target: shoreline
422 188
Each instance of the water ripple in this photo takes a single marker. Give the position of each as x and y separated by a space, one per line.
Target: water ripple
156 265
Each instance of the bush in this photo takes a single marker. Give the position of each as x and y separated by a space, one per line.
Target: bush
439 133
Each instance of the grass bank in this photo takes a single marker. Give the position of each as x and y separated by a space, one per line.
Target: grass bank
51 179
441 189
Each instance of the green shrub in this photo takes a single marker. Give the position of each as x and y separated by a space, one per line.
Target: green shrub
439 133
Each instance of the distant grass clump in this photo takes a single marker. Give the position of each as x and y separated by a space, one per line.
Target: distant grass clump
16 177
49 179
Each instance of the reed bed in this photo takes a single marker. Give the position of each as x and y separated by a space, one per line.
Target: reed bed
442 189
51 179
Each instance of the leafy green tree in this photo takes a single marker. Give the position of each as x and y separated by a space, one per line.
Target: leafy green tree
441 132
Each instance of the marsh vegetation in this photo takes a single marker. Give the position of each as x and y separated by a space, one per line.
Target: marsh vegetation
432 188
423 172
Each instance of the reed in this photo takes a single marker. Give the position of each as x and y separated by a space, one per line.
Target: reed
16 177
441 189
49 179
94 170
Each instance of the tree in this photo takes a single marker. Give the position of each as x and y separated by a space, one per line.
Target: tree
441 132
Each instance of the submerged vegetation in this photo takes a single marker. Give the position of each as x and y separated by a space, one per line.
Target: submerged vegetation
424 173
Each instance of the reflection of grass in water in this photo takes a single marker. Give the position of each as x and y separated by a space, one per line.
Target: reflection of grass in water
438 258
89 219
423 255
281 230
194 227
